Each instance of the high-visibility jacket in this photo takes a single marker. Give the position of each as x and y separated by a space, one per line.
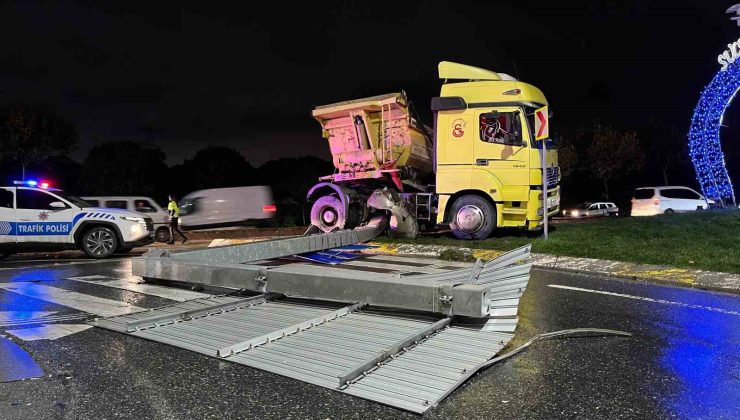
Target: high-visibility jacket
174 209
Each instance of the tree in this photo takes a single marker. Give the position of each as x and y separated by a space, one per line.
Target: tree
29 134
613 153
668 147
212 167
290 179
124 168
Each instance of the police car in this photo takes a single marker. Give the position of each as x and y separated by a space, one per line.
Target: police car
35 217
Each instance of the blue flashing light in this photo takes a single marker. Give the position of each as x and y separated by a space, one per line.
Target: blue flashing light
32 183
704 144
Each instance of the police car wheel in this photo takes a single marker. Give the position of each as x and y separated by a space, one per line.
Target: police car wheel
99 242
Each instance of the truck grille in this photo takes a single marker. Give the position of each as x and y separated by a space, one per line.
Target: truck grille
552 174
149 224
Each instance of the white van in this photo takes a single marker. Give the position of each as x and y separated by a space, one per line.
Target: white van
650 201
222 207
144 205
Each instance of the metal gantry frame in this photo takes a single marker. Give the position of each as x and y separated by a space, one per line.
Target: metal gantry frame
432 330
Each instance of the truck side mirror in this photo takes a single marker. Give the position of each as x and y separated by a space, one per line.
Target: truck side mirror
514 137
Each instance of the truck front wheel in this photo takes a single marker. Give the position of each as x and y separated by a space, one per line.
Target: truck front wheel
473 217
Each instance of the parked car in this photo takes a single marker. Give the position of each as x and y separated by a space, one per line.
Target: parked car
144 205
222 207
593 209
650 201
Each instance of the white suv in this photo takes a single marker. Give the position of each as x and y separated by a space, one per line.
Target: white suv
35 217
145 205
650 201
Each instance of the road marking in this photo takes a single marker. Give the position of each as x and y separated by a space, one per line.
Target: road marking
46 320
48 332
26 267
172 293
82 302
647 299
22 316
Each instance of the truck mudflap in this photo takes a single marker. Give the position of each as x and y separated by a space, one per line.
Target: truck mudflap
402 221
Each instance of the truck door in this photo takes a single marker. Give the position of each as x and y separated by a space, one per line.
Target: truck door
500 149
7 216
43 218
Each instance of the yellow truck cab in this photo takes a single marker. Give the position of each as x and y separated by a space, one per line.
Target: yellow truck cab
488 165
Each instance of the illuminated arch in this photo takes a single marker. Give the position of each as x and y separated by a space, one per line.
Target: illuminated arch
704 145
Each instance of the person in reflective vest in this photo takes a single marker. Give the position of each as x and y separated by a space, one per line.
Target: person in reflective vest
174 210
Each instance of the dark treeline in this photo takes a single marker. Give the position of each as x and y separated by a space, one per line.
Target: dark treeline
598 161
130 168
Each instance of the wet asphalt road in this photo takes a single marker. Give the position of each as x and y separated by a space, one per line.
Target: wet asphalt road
683 362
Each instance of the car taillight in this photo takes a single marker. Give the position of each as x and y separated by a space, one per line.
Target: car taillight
270 208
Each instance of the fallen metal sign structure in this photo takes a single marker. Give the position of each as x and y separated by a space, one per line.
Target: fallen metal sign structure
406 341
409 361
470 292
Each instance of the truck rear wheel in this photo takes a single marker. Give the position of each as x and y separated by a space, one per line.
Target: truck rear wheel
328 214
473 217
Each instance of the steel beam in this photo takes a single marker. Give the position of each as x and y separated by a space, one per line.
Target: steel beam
392 350
283 247
155 320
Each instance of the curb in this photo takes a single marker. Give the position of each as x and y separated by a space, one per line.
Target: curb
684 277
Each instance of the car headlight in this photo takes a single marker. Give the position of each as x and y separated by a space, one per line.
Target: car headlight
134 219
575 213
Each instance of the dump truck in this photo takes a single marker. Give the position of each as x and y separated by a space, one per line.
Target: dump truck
477 169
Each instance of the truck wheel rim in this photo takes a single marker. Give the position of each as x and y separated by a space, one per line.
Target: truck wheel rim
470 218
100 242
329 216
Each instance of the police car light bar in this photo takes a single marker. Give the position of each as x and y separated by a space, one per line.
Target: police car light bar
32 183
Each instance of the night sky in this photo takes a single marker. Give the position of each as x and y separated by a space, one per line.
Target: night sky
184 75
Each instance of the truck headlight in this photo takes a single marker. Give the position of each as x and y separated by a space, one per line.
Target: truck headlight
134 219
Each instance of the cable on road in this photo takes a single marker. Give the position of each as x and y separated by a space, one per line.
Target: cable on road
540 337
546 336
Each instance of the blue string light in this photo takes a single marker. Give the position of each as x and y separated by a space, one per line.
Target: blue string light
704 145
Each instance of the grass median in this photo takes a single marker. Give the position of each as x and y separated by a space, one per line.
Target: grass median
699 240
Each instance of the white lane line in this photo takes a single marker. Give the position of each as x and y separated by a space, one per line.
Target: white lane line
172 293
81 302
647 299
26 267
46 320
22 316
48 332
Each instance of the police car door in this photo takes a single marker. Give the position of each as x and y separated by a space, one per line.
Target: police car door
43 217
7 216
